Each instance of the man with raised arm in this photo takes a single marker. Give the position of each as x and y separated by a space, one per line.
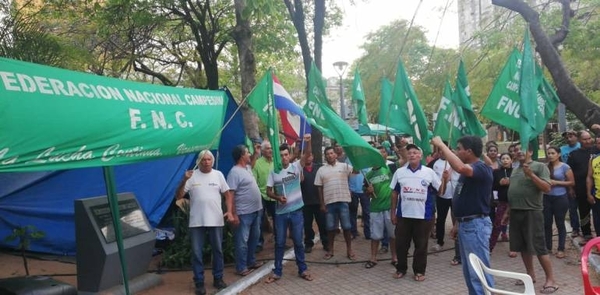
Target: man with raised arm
470 204
206 186
284 188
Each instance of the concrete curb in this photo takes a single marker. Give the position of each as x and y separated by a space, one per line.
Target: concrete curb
251 279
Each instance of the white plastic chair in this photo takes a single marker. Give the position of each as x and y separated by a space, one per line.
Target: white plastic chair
481 270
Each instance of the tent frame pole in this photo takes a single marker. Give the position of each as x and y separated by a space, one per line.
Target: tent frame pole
113 201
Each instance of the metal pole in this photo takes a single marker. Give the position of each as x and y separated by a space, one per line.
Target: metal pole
342 102
340 68
562 119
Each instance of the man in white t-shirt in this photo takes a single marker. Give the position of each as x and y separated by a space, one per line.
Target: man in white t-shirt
443 202
413 211
206 186
284 188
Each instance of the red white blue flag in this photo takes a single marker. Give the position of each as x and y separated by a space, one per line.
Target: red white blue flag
293 120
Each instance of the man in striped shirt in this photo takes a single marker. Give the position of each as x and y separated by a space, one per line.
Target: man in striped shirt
334 194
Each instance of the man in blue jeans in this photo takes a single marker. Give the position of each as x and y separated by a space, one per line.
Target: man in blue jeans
248 207
284 187
206 187
471 204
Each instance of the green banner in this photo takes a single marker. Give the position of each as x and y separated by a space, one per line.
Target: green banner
504 103
323 117
58 119
463 101
448 125
386 105
358 97
261 99
528 93
410 110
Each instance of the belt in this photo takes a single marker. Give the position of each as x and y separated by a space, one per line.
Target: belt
470 217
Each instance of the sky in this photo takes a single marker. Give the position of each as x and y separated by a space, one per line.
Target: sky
367 16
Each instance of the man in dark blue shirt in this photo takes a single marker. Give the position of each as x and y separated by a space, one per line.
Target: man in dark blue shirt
470 204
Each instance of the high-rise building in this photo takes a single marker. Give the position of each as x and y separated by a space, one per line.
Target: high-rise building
479 15
473 15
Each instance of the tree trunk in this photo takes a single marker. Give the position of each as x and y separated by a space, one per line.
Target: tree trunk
296 11
319 23
573 98
212 75
243 39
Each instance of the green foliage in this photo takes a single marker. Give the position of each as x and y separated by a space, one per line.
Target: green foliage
556 139
23 235
179 252
25 36
428 68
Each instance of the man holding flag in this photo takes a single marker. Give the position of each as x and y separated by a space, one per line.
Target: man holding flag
470 204
530 180
284 188
528 183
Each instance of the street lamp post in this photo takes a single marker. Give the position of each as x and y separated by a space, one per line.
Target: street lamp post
340 68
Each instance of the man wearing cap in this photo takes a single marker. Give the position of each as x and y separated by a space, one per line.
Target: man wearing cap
470 204
572 144
412 211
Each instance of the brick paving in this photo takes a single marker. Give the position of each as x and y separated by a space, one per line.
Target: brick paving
343 276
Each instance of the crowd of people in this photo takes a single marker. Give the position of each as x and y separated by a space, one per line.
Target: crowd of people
403 203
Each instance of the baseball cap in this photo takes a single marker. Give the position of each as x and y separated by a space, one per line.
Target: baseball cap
569 132
412 146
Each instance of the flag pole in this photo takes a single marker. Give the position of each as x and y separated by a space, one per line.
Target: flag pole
450 130
368 182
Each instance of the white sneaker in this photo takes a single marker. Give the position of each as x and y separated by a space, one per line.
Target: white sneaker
437 248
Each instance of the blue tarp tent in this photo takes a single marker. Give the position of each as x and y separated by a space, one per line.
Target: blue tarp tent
45 199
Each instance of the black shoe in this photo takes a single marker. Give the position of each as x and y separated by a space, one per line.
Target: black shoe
219 284
307 249
200 290
258 249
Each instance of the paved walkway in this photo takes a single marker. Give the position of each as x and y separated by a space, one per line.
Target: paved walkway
343 276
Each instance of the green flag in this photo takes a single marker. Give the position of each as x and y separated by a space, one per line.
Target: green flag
463 101
323 117
503 103
358 99
546 102
448 125
528 93
385 103
262 101
316 100
410 110
58 119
